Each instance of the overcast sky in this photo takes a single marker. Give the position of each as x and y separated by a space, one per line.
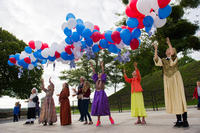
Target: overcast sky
42 20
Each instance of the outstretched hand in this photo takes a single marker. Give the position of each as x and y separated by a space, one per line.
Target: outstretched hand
124 71
50 80
167 40
135 64
102 63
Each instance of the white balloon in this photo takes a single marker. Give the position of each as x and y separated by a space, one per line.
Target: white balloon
30 67
45 53
54 45
120 45
64 25
52 52
60 48
144 6
154 4
89 25
38 44
23 55
159 22
71 23
33 59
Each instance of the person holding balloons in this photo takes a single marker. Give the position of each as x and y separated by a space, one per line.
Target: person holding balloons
100 105
137 101
175 101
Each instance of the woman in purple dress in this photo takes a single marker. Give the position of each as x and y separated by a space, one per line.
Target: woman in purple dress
100 105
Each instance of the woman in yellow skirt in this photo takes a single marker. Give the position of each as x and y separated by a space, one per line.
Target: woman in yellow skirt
175 101
137 101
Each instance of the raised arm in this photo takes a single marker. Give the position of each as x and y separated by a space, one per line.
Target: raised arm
128 80
92 67
155 51
51 84
170 46
102 67
42 85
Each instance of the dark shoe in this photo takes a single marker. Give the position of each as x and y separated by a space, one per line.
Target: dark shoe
185 124
178 124
26 123
50 123
32 122
44 124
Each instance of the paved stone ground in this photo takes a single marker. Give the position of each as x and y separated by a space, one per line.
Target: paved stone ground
157 122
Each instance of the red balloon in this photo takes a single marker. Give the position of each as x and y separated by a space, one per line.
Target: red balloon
133 12
134 44
96 36
163 3
44 45
27 60
140 20
96 27
57 54
68 50
31 44
116 37
12 60
123 27
103 36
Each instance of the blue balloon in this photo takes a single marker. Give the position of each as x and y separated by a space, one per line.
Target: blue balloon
103 43
79 21
23 63
44 61
71 57
132 22
125 35
75 37
84 45
95 48
52 59
35 64
148 21
147 29
11 56
35 54
70 15
17 56
40 55
86 33
68 40
68 32
113 49
80 28
108 36
64 56
10 64
119 29
164 12
136 33
89 42
28 50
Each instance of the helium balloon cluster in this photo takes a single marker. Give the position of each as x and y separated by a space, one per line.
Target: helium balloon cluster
86 38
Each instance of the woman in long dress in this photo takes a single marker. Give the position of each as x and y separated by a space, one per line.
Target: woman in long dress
175 101
137 100
65 110
48 111
100 104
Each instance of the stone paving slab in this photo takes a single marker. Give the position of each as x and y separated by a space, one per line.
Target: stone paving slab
157 122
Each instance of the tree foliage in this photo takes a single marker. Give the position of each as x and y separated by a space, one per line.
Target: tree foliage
10 84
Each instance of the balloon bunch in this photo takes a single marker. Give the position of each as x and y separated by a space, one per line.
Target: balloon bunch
85 37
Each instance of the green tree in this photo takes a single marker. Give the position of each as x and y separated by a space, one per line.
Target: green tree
10 84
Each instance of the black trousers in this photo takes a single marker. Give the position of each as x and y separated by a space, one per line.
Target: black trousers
15 118
85 109
80 108
198 102
31 113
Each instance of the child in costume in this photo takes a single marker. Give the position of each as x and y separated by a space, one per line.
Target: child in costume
175 101
196 94
100 105
137 101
